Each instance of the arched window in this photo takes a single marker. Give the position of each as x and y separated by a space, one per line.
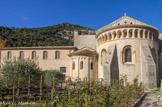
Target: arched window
57 55
9 55
73 65
125 33
127 54
130 33
21 54
33 55
91 65
103 54
45 55
81 65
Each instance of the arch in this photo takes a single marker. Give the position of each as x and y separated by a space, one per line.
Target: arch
81 64
103 54
130 33
114 35
109 36
141 33
21 54
119 34
136 33
150 35
33 54
127 54
124 33
9 55
73 65
105 37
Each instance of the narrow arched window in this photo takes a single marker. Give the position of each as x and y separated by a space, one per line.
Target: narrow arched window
57 55
9 55
128 55
91 65
81 65
33 55
21 54
45 55
103 54
73 65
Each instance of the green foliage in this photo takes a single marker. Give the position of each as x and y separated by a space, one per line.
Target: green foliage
57 35
18 71
48 76
98 94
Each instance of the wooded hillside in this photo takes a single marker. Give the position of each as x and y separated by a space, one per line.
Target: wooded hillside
56 35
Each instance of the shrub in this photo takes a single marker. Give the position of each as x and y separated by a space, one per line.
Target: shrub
18 71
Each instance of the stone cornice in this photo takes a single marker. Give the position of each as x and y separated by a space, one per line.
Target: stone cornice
125 26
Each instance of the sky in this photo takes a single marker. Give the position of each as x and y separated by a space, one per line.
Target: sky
89 13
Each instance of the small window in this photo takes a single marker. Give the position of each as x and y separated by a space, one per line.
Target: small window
21 54
127 54
45 55
103 55
91 65
63 69
57 55
73 65
9 55
81 65
33 55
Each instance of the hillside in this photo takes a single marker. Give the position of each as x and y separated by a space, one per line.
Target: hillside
56 35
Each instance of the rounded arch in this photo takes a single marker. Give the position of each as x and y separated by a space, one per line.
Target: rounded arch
124 33
119 34
114 34
141 33
105 36
150 35
103 55
130 33
127 54
109 36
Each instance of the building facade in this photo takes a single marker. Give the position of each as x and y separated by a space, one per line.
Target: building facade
124 47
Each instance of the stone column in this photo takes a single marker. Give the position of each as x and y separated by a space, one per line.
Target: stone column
138 33
144 33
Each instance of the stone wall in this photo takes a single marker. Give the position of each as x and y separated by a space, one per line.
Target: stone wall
81 41
44 64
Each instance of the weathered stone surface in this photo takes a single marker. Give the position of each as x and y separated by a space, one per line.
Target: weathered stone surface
148 67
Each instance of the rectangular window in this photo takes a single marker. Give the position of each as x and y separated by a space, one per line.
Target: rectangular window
33 55
21 54
9 55
45 55
57 55
63 69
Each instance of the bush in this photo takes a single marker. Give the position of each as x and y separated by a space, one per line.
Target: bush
48 76
19 71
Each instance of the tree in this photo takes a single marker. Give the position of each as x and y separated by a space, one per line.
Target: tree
18 71
2 42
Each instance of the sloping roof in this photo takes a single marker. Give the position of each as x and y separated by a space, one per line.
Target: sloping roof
124 21
85 51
